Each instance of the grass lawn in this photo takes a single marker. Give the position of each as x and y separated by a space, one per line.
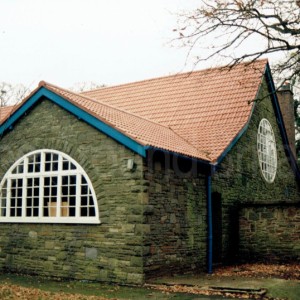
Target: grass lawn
279 282
35 288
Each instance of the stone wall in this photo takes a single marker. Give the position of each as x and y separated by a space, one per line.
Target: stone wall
176 240
270 233
111 251
238 180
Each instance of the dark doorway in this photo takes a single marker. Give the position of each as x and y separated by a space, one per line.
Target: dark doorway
217 227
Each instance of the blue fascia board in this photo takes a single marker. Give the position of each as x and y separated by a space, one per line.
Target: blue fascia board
273 94
75 110
280 122
235 140
20 112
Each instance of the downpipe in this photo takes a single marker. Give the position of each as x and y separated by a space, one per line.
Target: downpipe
209 227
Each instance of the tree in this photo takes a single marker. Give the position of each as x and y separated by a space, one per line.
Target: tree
265 27
295 87
11 94
86 86
297 126
273 26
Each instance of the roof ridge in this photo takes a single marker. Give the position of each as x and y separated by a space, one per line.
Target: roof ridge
188 73
46 84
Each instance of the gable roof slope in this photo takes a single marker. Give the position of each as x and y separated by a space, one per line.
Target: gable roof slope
197 114
208 108
5 111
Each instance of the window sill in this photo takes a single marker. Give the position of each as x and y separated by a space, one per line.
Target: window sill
52 220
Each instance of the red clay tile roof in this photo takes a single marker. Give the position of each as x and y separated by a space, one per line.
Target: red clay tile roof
197 114
207 108
5 112
145 132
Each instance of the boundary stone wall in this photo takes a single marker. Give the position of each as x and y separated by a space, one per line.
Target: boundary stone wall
239 180
270 233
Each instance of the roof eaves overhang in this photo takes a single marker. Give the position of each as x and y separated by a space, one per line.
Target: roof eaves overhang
234 141
202 166
43 92
272 90
287 148
240 133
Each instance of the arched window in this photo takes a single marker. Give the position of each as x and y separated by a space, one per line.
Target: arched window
47 186
266 148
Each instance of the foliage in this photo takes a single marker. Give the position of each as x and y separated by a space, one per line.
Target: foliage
11 94
86 86
23 293
261 270
295 89
297 126
16 286
263 26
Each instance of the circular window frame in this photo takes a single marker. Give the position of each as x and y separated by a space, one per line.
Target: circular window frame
266 150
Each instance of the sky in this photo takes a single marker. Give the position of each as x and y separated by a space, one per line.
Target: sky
108 42
66 42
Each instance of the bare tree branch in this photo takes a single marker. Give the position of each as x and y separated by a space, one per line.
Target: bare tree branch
12 94
223 27
86 86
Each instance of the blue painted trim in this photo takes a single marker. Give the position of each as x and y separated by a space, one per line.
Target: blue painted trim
8 124
209 227
278 114
275 103
235 140
81 114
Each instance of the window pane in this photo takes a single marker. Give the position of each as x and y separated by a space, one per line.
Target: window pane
55 195
266 148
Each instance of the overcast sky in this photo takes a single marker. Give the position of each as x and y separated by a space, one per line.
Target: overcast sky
108 42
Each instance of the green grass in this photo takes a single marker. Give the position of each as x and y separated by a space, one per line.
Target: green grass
88 288
277 288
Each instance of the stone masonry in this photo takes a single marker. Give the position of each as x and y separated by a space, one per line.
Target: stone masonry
270 233
239 181
176 240
111 251
154 216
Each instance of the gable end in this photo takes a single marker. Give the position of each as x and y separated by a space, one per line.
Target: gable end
78 112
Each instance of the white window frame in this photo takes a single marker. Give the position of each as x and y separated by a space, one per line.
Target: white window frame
266 149
18 185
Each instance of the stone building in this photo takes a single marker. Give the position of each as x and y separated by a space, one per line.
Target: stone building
173 174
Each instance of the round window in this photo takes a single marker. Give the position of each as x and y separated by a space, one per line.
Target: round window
266 148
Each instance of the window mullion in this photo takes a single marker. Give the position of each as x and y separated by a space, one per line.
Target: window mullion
59 187
24 196
24 188
78 196
41 190
8 195
26 166
72 180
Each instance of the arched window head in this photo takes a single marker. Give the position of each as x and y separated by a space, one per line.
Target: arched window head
47 186
266 149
